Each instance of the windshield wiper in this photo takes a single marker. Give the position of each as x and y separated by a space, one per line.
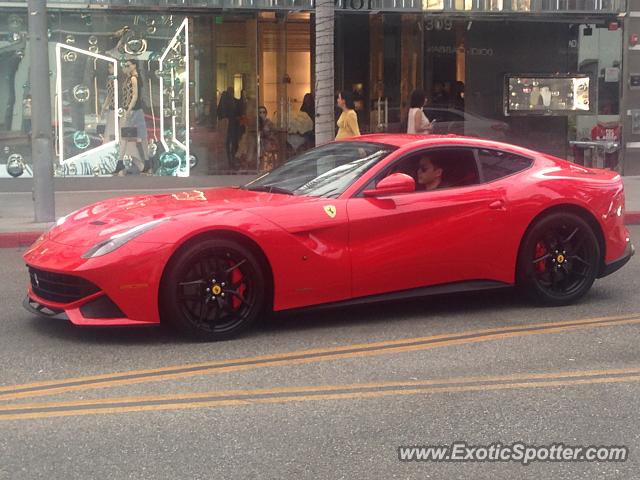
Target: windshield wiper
270 189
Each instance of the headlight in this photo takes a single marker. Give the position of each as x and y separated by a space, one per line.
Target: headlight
53 225
59 222
119 239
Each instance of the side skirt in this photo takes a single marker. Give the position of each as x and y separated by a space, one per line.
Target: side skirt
456 287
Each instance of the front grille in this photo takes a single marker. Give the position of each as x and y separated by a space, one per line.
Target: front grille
60 288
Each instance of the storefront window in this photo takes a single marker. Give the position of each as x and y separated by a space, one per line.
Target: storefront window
170 95
596 136
499 81
15 99
483 5
285 90
229 140
542 85
120 92
380 64
521 5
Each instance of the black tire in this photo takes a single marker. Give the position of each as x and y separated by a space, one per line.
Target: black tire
212 290
559 259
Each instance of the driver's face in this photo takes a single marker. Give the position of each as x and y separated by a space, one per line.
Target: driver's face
427 172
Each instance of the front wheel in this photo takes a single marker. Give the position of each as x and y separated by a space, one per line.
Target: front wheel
559 259
212 290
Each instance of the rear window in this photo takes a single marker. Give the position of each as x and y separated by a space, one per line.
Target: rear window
496 164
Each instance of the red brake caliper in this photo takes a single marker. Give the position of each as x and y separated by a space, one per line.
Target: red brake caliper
236 278
540 252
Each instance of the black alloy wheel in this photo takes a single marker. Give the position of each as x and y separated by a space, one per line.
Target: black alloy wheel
559 259
213 290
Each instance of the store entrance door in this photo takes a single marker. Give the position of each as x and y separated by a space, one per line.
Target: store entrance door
287 123
385 45
394 70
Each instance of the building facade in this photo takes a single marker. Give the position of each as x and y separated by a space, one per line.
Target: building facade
227 86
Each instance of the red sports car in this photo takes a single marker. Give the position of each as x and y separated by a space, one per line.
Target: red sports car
365 219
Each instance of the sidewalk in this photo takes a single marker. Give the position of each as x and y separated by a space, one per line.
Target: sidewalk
632 193
17 228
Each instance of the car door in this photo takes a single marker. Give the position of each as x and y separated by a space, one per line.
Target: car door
405 241
317 268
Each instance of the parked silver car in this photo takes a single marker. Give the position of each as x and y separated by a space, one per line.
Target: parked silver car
450 120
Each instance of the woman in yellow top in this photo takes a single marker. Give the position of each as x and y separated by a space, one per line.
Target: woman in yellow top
348 121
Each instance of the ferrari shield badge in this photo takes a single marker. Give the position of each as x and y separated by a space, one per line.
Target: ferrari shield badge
330 210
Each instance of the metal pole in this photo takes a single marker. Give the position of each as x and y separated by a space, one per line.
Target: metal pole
41 146
324 75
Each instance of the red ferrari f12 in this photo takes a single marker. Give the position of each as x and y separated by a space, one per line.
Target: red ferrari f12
365 219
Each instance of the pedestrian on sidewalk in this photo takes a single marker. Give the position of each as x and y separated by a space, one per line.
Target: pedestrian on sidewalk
417 121
348 121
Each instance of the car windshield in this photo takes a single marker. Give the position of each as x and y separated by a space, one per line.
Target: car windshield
326 171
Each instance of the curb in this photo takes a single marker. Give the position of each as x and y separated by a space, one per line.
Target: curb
25 239
632 218
18 239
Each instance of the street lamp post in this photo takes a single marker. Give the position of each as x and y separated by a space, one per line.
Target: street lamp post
41 144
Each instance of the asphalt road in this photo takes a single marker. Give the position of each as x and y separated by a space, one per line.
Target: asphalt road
324 395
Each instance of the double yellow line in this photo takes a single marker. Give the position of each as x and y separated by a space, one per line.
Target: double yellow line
315 393
52 387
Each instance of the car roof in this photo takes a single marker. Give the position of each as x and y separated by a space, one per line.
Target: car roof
394 139
405 140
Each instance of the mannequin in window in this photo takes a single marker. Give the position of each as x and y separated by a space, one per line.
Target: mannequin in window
133 135
268 141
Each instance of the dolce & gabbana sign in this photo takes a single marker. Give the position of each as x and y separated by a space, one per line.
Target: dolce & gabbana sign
405 5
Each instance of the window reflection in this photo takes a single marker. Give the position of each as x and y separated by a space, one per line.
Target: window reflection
162 94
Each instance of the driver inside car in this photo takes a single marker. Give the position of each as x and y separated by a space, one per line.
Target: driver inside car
429 173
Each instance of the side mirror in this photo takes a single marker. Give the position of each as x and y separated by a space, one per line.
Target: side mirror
391 185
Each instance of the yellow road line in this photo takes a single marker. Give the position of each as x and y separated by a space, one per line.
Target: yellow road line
317 393
307 356
262 391
327 350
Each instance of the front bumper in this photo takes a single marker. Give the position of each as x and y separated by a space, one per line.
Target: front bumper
39 309
96 310
126 283
615 265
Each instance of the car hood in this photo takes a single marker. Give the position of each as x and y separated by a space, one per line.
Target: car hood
99 221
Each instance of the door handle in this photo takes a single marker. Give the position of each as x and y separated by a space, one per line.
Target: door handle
497 205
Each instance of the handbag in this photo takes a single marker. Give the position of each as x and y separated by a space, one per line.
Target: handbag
129 132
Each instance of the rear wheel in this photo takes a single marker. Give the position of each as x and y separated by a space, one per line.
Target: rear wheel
559 259
212 290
